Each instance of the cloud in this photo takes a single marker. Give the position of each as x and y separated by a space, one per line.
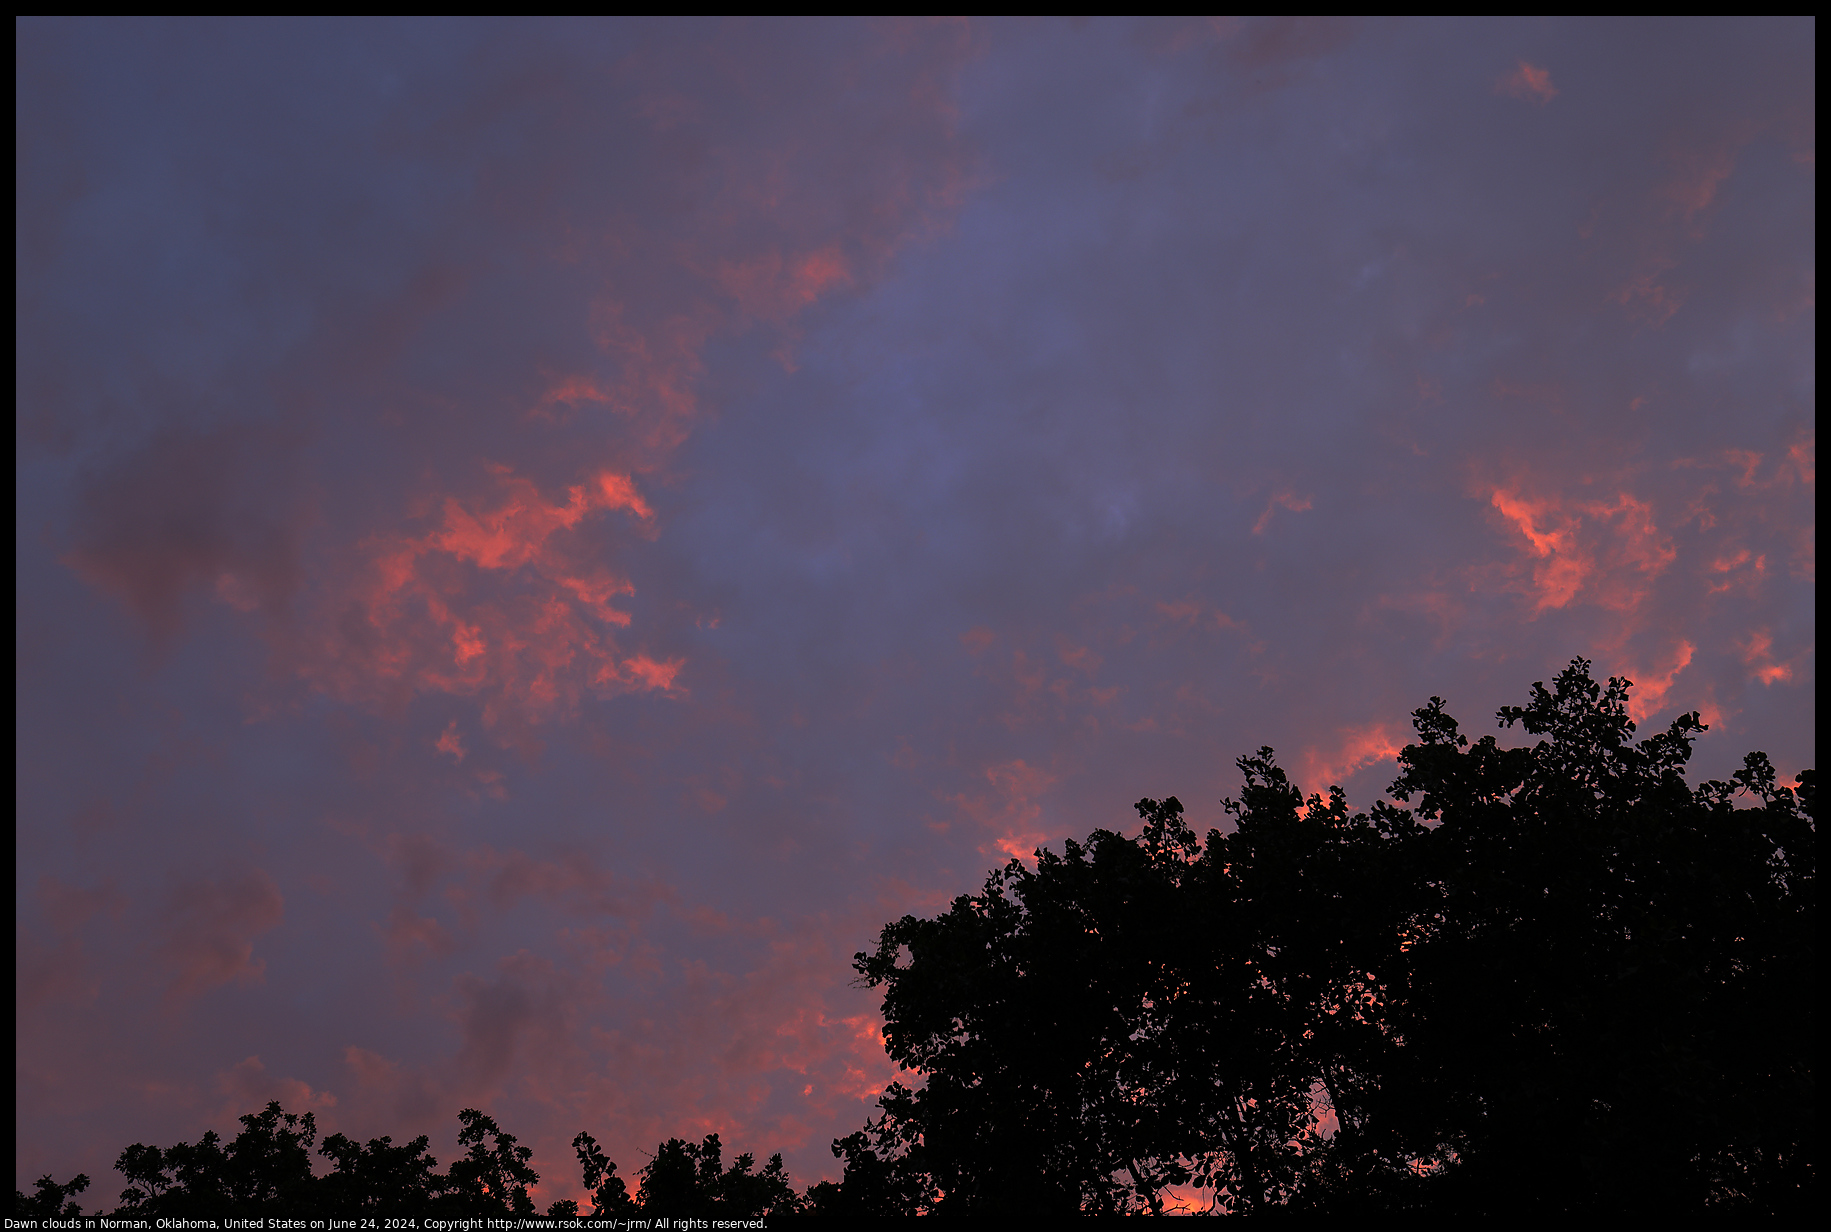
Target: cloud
501 602
1757 652
51 968
526 1001
1011 812
1287 499
212 509
768 288
1609 551
629 279
247 1086
1652 687
1354 749
450 743
392 1094
209 927
1527 81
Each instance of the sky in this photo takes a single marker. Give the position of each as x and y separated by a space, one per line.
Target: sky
535 540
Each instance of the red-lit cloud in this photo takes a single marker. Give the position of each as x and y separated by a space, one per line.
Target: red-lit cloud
1289 500
1527 81
1354 749
1609 551
499 603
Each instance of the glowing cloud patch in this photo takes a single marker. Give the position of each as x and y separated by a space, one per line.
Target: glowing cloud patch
652 673
1355 749
1757 653
1551 536
1651 688
660 366
1700 172
1614 556
1012 810
248 1085
1646 299
1082 658
1289 500
514 533
1184 611
449 742
501 602
594 593
772 288
1527 81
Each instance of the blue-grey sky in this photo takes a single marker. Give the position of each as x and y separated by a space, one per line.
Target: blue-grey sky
536 539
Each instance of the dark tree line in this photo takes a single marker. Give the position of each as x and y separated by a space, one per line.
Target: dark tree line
1562 980
267 1169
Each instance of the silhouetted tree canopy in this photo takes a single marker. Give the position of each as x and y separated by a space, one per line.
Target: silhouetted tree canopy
267 1170
1562 980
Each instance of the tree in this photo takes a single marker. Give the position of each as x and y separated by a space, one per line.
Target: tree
1028 1007
609 1195
50 1200
1563 981
267 1166
379 1179
494 1175
1619 970
692 1180
267 1170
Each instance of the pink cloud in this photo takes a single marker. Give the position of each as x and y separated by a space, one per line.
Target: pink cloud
1288 500
1652 687
450 743
773 289
1353 749
1011 811
1527 81
1757 652
1609 550
248 1086
432 616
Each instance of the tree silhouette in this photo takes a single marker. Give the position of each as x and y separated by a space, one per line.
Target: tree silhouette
1563 981
379 1178
267 1170
609 1195
693 1180
267 1166
493 1177
50 1200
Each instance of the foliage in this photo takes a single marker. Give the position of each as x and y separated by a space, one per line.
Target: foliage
493 1177
379 1178
50 1200
267 1166
1563 981
267 1170
609 1196
693 1181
